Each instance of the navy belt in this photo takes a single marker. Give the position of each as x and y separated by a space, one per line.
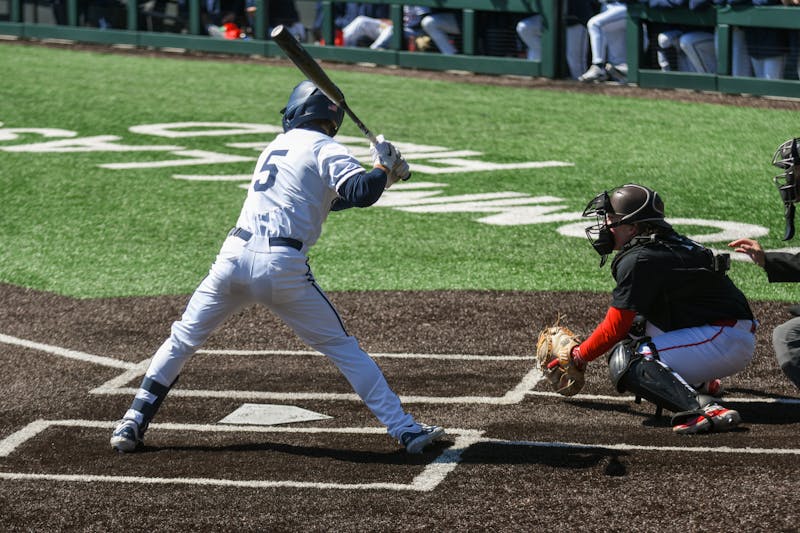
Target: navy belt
273 241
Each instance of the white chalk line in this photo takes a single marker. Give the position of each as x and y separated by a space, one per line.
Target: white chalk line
116 385
431 476
638 447
69 354
399 355
515 395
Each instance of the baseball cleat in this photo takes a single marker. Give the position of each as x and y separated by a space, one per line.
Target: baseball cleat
712 418
712 388
595 73
618 73
415 441
127 436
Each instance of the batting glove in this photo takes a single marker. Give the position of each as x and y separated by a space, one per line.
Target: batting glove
386 156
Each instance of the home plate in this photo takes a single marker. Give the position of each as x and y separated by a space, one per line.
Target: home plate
257 414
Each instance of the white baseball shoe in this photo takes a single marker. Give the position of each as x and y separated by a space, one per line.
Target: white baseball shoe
594 74
127 436
414 442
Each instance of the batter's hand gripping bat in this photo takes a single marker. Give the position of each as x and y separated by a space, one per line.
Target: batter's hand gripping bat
308 66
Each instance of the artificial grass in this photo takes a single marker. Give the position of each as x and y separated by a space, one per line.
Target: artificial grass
76 228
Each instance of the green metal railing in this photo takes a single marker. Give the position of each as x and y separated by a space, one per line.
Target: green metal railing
721 19
551 65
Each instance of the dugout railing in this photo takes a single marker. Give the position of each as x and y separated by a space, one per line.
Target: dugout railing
194 38
14 22
720 19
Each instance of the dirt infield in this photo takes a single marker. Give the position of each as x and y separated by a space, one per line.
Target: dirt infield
72 364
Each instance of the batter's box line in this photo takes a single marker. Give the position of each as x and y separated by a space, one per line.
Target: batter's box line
513 396
132 371
431 476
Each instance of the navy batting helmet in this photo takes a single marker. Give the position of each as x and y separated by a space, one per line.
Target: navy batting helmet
307 103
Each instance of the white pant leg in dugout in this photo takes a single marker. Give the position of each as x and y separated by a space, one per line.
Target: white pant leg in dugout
769 68
529 31
577 49
280 279
700 50
438 26
704 353
361 26
607 34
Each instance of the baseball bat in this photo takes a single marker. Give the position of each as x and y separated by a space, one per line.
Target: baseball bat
313 71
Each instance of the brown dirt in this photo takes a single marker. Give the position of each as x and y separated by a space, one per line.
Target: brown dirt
497 486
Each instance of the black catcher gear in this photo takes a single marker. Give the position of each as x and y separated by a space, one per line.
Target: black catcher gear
647 377
787 159
632 203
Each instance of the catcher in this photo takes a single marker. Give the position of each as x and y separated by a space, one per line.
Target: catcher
694 325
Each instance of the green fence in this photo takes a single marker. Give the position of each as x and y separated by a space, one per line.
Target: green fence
552 65
722 20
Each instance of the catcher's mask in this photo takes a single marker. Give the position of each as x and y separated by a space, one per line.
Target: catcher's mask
306 104
787 159
632 203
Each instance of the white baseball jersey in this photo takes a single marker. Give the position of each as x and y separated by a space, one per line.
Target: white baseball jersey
312 167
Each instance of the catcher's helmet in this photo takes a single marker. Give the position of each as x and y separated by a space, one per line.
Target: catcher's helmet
307 103
633 203
636 203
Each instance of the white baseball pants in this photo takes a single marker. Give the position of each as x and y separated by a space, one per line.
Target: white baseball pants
704 353
280 279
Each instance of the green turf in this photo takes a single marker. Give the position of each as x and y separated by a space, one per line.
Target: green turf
73 227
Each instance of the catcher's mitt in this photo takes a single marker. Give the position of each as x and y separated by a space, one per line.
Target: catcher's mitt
553 356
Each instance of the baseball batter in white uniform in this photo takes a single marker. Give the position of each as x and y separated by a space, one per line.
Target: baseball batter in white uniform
298 179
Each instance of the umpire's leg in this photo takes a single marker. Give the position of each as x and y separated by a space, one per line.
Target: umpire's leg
786 340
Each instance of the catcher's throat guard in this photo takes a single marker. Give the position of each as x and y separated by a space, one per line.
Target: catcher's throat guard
599 233
787 158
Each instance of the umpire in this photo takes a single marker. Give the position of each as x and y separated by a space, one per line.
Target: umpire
781 266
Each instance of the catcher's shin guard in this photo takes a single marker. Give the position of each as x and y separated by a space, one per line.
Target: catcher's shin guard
148 399
649 378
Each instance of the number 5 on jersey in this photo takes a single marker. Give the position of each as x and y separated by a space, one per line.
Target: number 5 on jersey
265 181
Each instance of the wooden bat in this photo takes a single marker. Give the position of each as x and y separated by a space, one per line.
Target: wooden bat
313 71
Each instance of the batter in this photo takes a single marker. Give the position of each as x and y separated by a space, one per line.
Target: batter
299 178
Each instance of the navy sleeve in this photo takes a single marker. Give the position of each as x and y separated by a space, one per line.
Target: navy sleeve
363 190
781 266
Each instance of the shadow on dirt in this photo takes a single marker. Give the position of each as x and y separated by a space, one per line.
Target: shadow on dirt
398 457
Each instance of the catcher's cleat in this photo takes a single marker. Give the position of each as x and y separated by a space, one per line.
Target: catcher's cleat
415 441
712 418
712 388
127 436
